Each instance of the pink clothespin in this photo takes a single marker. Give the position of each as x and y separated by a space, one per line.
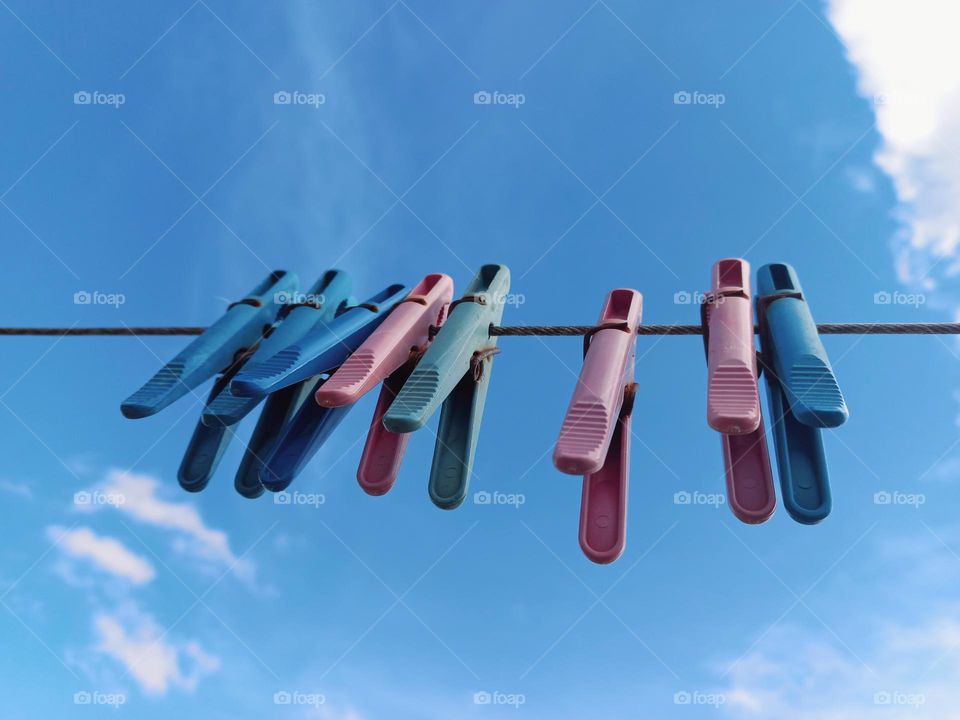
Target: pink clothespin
389 356
595 436
733 400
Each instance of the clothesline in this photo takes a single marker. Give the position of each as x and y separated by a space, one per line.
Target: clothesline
528 330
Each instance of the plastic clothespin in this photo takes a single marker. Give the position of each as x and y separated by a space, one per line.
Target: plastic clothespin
319 351
733 401
388 355
239 329
802 391
211 437
595 435
455 372
292 444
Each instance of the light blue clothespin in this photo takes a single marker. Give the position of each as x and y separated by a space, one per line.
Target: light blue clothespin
239 329
299 314
803 393
455 371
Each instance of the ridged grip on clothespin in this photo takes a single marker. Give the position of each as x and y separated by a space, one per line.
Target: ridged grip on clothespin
594 409
240 328
733 401
321 350
795 352
390 345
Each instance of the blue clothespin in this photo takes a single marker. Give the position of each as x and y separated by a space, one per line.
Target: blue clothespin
211 437
321 350
239 329
300 439
455 371
799 358
803 393
289 440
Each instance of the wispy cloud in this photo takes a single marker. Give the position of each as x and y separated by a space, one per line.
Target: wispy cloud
105 554
155 661
142 500
906 55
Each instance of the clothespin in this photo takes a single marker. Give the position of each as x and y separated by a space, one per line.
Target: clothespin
455 372
319 351
389 355
289 442
803 393
238 330
595 436
733 400
211 437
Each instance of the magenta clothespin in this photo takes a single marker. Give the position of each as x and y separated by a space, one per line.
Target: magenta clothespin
389 356
733 400
595 436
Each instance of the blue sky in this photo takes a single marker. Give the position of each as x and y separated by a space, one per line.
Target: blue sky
828 145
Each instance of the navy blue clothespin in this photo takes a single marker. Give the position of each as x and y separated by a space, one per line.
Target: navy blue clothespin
299 314
320 352
217 348
803 392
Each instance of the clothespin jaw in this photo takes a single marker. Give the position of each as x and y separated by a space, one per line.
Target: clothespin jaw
733 401
240 328
592 415
321 350
389 346
455 372
796 354
595 435
319 306
299 440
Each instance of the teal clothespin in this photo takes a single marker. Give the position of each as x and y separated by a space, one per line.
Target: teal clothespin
455 371
240 328
802 391
299 314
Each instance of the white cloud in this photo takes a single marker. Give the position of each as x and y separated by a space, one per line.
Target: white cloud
798 673
106 554
906 56
157 663
16 488
142 501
